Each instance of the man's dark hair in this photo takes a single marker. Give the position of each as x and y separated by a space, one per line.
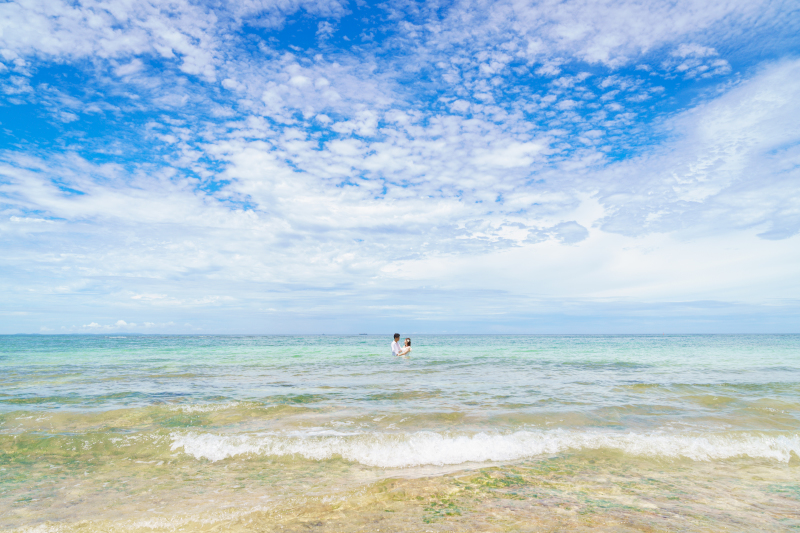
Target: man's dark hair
396 335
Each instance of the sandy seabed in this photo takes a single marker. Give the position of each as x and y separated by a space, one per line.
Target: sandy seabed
574 492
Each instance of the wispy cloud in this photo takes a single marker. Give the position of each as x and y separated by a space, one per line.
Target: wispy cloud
266 158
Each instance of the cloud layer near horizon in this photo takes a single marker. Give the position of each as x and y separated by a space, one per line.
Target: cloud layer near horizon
284 166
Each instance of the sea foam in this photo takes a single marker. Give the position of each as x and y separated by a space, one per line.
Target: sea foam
397 450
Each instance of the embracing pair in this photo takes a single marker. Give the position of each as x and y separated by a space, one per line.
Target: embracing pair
397 349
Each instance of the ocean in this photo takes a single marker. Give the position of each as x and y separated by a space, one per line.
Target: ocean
332 433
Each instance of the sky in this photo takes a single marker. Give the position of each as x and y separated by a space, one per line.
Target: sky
334 166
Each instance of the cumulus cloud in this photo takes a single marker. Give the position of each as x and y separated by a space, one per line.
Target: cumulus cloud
570 232
88 29
198 167
118 326
606 33
694 61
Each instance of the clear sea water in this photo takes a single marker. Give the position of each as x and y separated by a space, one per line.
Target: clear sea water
483 433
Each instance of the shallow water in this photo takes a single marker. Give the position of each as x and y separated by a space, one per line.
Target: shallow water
481 433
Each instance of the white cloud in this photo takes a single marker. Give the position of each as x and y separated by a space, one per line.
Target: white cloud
724 168
695 61
325 30
460 184
119 324
184 31
110 29
323 180
610 33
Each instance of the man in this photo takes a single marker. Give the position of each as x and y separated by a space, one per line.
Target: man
396 345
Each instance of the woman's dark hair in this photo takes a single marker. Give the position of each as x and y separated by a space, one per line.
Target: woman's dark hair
408 340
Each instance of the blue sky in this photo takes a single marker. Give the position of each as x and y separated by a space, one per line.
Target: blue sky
284 166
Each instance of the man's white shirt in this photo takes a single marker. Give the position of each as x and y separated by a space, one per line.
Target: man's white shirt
395 348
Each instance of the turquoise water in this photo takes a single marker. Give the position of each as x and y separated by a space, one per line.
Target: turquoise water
141 419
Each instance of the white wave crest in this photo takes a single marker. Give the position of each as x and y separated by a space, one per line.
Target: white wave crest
211 407
395 450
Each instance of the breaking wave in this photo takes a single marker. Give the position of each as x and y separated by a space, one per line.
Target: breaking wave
397 450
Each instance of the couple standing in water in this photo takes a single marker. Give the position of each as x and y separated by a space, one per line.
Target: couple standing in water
401 350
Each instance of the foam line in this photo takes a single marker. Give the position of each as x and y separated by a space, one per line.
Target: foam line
393 450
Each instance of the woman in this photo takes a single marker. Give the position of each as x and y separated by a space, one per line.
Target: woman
406 347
